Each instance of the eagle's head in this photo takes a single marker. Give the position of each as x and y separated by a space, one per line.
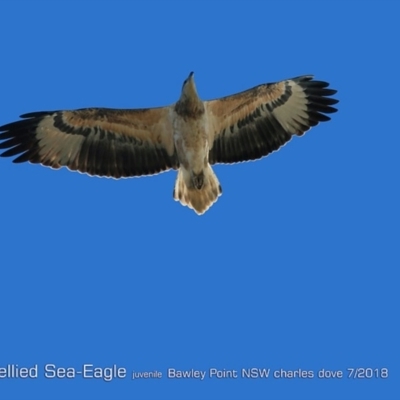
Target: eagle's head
189 105
189 91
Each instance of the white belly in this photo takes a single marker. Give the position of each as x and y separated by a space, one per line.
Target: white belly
191 143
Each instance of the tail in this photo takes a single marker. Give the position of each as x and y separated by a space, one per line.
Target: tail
200 200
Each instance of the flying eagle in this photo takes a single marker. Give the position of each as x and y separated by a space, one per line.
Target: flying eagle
190 135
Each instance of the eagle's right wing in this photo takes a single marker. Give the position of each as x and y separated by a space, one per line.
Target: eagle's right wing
97 141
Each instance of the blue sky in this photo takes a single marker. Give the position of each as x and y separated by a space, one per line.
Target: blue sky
296 265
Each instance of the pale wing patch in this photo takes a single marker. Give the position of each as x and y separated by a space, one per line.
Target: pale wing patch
56 148
294 113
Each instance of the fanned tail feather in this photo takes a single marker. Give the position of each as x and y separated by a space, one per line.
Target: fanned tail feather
199 200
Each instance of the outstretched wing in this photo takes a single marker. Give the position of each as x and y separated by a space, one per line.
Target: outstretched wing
252 124
97 141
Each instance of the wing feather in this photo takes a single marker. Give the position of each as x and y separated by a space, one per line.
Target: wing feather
252 124
97 141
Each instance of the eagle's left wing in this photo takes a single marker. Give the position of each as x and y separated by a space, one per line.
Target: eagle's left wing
97 141
252 124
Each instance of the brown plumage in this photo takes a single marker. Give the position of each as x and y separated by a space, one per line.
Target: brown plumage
189 135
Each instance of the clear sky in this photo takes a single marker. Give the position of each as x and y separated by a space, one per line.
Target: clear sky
294 268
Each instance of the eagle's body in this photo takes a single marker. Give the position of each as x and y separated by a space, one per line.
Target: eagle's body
189 135
196 184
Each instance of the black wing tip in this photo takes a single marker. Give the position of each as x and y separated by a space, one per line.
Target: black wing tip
18 138
308 80
27 119
303 78
36 114
318 93
332 110
316 87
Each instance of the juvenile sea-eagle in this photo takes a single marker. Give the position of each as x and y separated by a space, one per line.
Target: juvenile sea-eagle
190 135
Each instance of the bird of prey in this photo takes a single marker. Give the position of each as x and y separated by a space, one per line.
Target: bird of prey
189 135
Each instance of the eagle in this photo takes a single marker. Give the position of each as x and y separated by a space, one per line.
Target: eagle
190 135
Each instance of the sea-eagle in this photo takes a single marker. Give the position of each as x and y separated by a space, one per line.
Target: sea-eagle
190 135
